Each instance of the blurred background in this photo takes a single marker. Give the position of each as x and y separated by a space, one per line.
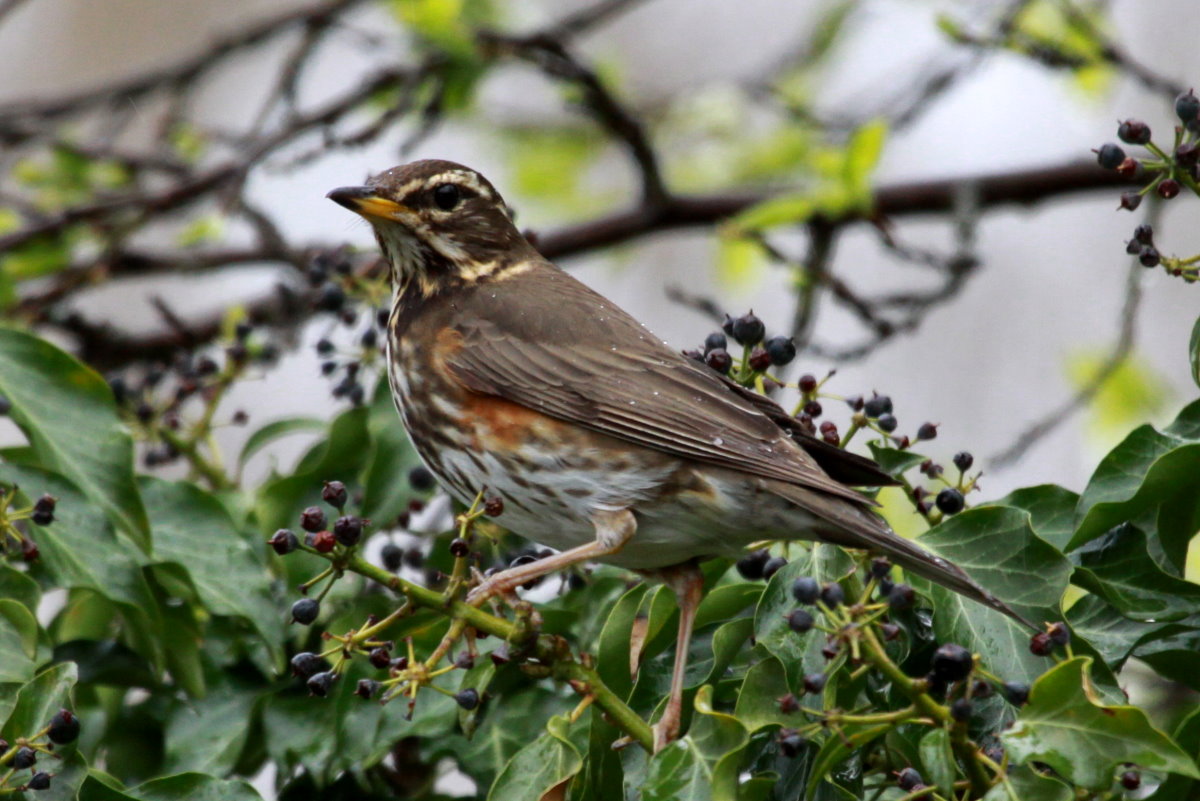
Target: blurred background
120 112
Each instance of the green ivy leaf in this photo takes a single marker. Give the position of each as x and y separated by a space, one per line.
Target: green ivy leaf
1051 511
998 548
539 767
193 530
1177 787
1023 784
758 698
1149 480
18 643
1065 727
704 764
385 480
1113 635
273 431
66 411
207 735
1194 352
894 461
612 655
194 787
1119 568
938 760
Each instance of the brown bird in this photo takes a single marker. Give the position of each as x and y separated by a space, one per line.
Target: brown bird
601 440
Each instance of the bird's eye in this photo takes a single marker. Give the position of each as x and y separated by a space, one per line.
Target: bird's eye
446 196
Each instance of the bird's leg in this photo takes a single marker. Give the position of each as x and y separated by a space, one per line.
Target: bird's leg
688 583
613 530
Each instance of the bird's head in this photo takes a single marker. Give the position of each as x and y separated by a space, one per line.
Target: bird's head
438 224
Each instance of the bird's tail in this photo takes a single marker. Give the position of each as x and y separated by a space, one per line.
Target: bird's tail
853 526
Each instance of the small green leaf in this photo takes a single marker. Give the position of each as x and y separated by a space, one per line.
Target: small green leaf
758 699
18 642
539 767
273 431
938 760
740 261
66 411
194 787
1194 352
704 764
894 462
612 655
862 156
1083 741
39 700
1118 568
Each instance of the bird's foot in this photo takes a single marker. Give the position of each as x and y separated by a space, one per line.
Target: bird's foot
666 731
490 587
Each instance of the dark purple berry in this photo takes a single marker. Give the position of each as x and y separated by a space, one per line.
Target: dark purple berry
952 662
379 658
909 779
1187 106
877 405
43 510
312 519
493 506
324 347
772 566
748 330
881 567
1131 168
813 408
788 704
334 494
963 461
855 402
950 501
806 590
727 325
25 757
1110 156
459 548
715 341
1144 234
1133 247
927 431
305 664
331 298
887 422
468 699
1133 132
981 689
392 556
366 688
1131 780
283 541
1149 257
782 350
832 595
1130 201
1187 154
39 781
1059 634
814 683
890 631
305 611
800 621
64 727
323 541
1040 644
751 565
501 655
348 530
1016 693
808 383
901 597
465 660
961 709
1168 188
319 683
719 360
759 360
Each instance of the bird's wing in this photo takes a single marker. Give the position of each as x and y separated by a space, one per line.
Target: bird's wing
546 341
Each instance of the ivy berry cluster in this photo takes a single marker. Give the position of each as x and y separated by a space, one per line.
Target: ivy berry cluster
1168 174
26 752
14 534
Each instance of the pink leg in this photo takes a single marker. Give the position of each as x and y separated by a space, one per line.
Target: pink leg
688 583
613 530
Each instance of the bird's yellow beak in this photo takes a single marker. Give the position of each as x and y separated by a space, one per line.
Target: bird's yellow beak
364 200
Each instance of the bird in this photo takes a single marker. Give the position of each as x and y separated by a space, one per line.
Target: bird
515 378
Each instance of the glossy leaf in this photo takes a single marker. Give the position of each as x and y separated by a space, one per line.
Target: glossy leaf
702 765
1051 511
1064 726
194 787
66 411
1118 568
937 758
1194 352
386 492
275 430
893 460
543 765
18 642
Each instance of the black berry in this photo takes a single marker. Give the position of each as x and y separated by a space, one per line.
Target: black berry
459 548
305 611
43 510
887 421
748 330
1059 634
1149 257
1110 156
312 519
493 506
751 565
25 757
64 727
715 341
759 360
782 350
952 662
348 530
1187 106
1040 644
1130 201
927 431
1131 780
1168 188
877 405
909 779
961 709
319 683
1016 693
814 683
1144 234
1133 132
832 594
392 556
305 664
379 658
813 408
719 360
334 494
468 698
901 597
366 688
806 590
790 743
331 298
963 460
800 621
772 566
39 781
808 383
283 541
950 501
420 479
